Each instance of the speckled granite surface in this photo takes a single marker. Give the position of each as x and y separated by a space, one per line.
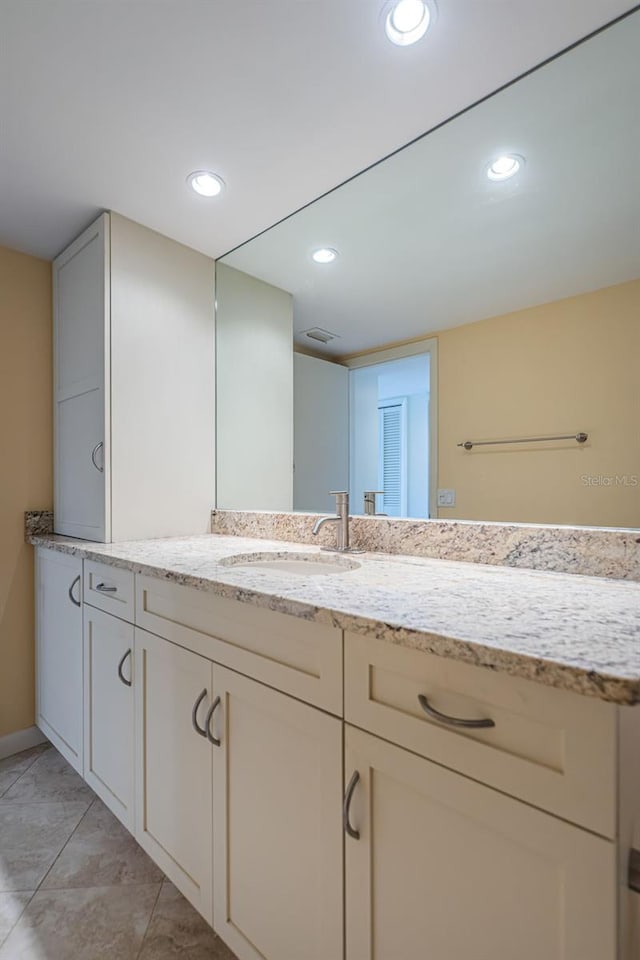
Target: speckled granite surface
588 551
577 633
37 522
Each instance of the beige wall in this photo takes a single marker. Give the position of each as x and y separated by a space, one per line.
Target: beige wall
568 366
26 467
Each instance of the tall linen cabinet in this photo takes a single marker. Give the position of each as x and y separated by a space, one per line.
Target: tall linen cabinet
134 390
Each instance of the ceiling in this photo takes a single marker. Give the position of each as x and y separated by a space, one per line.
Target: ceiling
426 241
111 103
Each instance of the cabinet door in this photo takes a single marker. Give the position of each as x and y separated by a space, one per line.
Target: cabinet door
59 652
81 348
174 765
108 711
277 824
445 867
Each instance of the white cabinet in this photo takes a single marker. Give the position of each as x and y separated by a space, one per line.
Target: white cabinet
109 711
82 451
460 841
446 867
174 765
277 824
59 667
134 385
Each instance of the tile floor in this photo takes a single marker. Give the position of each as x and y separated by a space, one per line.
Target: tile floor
74 884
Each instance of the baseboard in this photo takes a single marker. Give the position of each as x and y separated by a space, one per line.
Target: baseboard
20 740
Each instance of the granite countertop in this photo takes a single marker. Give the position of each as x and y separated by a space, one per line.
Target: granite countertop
573 632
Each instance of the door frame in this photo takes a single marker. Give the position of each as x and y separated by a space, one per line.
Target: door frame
427 345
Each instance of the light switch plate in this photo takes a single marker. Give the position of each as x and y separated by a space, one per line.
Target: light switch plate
446 498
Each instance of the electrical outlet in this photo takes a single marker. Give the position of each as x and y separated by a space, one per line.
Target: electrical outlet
446 498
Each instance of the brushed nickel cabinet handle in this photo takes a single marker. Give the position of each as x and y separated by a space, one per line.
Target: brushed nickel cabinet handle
207 723
93 456
453 721
76 603
634 871
194 715
347 805
121 675
103 588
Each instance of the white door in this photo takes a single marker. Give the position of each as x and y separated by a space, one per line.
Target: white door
108 711
59 652
446 868
174 765
81 310
277 824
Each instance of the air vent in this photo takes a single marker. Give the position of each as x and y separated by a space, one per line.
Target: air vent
317 333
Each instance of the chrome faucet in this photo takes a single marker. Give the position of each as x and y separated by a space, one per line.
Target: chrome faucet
341 518
370 502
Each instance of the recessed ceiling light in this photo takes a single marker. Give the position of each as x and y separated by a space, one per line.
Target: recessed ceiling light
505 166
324 255
205 183
407 22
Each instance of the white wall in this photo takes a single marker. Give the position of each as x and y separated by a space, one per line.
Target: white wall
254 372
320 432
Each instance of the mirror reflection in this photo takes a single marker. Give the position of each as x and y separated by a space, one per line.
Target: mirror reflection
449 325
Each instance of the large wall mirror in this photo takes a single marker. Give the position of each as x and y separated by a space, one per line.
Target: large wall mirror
458 326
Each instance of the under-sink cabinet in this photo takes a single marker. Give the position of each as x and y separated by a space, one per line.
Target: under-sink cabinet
327 796
438 865
277 830
174 763
239 802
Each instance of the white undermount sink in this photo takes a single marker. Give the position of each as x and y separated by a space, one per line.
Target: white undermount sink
291 562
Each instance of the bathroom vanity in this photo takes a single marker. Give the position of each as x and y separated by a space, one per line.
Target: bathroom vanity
413 755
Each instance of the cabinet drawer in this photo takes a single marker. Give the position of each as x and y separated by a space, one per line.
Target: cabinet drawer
552 748
110 589
285 652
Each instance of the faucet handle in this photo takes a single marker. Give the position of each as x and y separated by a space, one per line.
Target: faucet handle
342 501
370 501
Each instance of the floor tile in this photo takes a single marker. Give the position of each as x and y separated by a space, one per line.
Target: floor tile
11 906
49 778
102 853
178 931
100 923
31 837
13 767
